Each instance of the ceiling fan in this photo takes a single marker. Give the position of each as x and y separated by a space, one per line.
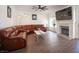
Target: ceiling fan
40 7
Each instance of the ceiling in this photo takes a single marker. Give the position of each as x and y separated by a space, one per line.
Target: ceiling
29 7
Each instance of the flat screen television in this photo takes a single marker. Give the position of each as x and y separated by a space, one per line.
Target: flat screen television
64 14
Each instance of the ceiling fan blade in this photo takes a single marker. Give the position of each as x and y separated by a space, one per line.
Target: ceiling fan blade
44 8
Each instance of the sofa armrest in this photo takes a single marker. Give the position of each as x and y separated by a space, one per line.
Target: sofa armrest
14 43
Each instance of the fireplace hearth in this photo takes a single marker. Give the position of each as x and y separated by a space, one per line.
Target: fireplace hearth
65 30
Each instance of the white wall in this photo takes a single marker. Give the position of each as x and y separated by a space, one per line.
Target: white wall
23 18
24 14
77 21
4 20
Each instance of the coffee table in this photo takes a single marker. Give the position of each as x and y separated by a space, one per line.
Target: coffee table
39 33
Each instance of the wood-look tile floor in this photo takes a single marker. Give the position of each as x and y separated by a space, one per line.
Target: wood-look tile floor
49 43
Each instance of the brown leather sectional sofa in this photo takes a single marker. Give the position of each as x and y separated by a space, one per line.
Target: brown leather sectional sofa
15 37
11 40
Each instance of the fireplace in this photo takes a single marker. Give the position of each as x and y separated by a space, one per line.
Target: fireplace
65 30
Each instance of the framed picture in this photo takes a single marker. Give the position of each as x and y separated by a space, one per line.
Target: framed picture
34 17
8 12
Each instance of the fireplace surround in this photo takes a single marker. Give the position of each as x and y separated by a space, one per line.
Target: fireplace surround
67 26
